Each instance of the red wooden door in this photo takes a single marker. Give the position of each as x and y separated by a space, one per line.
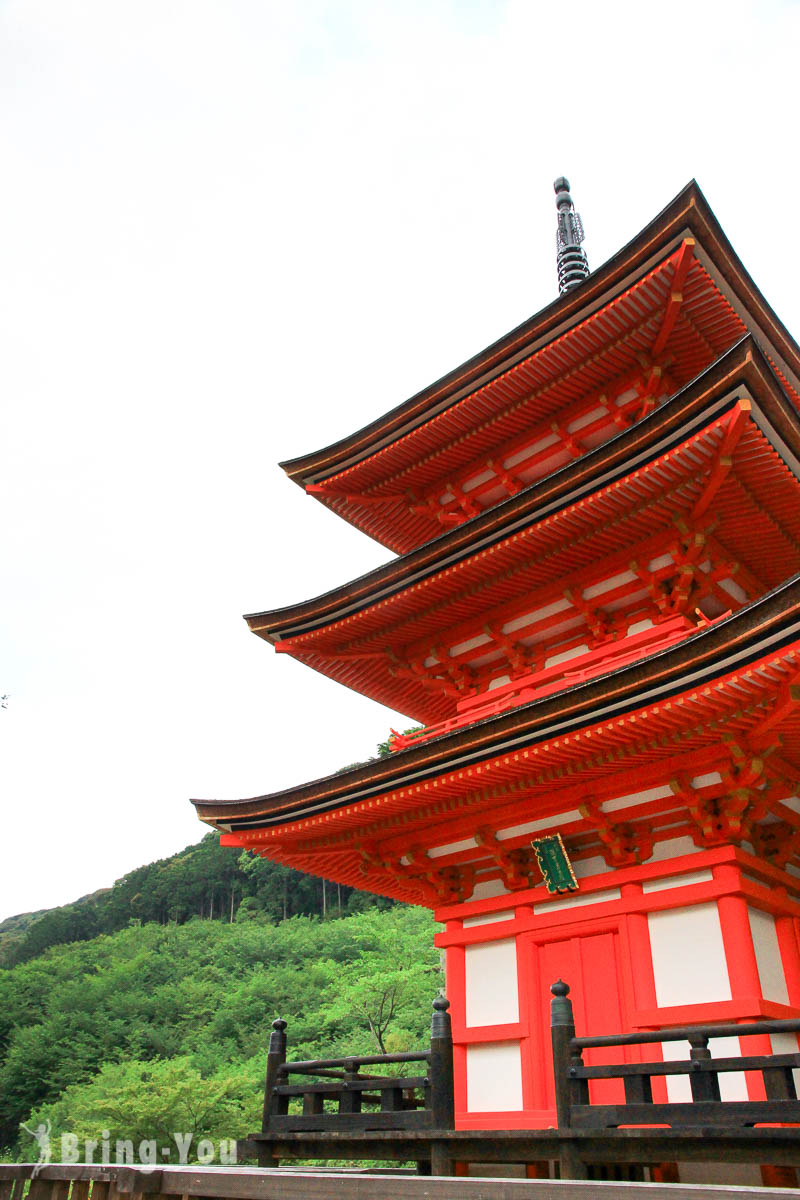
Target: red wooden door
590 965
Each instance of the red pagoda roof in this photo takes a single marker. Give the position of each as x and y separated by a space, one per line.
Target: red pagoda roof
565 381
726 701
554 591
597 517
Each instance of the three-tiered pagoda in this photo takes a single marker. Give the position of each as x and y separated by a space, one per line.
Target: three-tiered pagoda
595 618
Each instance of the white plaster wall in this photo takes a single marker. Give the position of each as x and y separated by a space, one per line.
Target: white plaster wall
555 819
632 798
673 881
579 901
584 868
672 848
487 889
688 955
768 956
489 918
491 983
452 848
494 1077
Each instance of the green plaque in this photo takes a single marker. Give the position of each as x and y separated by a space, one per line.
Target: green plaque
554 864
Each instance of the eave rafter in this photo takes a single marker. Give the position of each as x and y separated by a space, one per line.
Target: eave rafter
683 263
724 457
509 610
766 515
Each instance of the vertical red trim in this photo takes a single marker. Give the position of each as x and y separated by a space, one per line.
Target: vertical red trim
455 977
640 957
737 939
641 954
745 981
527 998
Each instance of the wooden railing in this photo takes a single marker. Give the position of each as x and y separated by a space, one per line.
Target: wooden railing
337 1096
706 1108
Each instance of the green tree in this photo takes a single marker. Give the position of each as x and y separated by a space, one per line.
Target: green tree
139 1101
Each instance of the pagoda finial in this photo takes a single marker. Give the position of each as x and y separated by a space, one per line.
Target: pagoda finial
573 266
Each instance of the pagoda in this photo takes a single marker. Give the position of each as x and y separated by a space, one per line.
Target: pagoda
595 620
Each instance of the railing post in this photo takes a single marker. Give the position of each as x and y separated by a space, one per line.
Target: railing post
704 1084
562 1031
441 1066
349 1097
276 1057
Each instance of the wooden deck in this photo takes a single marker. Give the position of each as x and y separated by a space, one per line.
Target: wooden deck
67 1182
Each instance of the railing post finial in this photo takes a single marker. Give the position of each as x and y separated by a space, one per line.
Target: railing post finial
561 1005
441 1066
277 1039
440 1021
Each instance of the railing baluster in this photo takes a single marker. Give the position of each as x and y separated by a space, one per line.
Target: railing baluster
350 1098
638 1089
779 1083
392 1099
313 1104
705 1084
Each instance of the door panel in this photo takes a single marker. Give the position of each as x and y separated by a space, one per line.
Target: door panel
590 965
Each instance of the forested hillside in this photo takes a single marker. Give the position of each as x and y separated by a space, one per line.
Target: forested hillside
161 1028
204 881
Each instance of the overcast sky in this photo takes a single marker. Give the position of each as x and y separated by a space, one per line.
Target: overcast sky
233 232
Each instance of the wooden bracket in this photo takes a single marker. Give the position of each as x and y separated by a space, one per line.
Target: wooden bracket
623 843
516 866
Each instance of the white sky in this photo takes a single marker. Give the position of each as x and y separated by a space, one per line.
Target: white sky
233 232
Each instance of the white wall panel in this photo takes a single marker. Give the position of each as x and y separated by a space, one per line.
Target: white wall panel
768 956
579 901
488 918
673 881
494 1077
672 848
487 889
688 955
491 983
